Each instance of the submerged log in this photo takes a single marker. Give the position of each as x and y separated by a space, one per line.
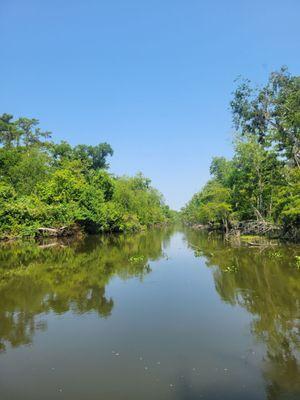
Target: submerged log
54 232
49 245
262 244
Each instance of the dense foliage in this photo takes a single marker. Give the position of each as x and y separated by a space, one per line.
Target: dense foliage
47 184
262 181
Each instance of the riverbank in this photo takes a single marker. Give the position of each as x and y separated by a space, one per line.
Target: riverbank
74 232
252 229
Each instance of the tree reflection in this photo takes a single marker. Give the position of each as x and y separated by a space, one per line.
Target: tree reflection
267 285
36 280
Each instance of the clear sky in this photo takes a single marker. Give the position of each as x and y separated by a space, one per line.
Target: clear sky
152 78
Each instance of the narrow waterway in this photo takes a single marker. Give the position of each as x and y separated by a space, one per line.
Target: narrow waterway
164 314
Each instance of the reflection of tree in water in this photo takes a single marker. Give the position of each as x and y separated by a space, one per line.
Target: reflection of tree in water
265 283
36 280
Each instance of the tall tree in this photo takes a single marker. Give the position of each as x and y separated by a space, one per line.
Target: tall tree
271 113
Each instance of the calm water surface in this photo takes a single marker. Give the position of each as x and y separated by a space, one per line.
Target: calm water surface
166 314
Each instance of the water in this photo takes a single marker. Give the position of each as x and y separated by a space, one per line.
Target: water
165 314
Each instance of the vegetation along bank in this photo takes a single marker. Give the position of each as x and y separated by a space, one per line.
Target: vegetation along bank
258 190
49 188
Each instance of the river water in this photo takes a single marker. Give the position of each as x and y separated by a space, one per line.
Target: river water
165 314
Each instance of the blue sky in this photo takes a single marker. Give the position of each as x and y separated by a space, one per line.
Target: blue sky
153 78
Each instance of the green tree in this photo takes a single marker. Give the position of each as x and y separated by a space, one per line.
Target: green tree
29 132
210 206
8 131
271 113
262 179
93 156
256 173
